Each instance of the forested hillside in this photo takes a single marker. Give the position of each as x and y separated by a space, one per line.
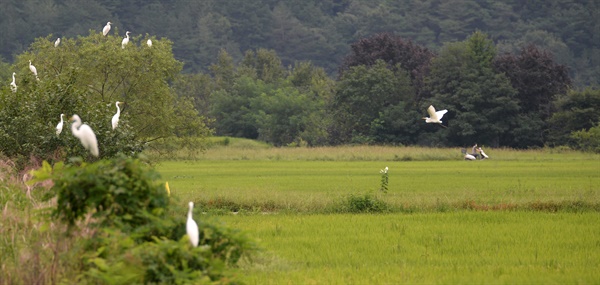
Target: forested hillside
320 31
516 74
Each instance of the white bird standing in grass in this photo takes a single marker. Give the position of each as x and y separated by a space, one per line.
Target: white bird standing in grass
106 29
125 40
13 84
59 127
435 117
115 118
33 70
57 42
484 156
192 228
468 156
85 134
149 43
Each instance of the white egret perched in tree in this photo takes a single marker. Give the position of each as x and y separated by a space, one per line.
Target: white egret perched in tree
106 29
85 134
125 40
149 43
192 228
115 118
435 117
33 70
57 42
13 84
59 127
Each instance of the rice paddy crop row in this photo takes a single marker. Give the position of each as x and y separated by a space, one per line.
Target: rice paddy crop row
431 238
316 186
442 248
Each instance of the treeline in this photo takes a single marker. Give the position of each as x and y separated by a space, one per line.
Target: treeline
383 89
319 31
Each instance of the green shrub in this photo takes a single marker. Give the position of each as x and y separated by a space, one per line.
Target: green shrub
119 191
366 203
139 231
588 140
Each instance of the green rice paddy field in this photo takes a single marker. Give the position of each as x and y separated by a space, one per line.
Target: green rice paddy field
519 217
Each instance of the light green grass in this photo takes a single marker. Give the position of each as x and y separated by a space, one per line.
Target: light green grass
431 248
434 243
309 185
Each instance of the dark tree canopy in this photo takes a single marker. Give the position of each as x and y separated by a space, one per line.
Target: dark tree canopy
395 51
536 77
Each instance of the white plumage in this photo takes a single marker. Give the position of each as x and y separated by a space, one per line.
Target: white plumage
434 117
192 228
33 70
57 42
115 118
85 134
125 40
106 29
13 84
59 127
469 157
149 43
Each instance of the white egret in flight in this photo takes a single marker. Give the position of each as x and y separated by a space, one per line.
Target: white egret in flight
106 29
13 84
125 40
115 118
33 70
57 42
85 134
149 42
59 127
434 117
192 228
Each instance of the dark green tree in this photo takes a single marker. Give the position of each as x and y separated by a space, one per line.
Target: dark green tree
480 102
575 112
362 93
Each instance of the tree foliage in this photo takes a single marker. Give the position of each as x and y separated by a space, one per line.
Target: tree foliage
363 93
316 31
480 101
578 111
86 76
395 51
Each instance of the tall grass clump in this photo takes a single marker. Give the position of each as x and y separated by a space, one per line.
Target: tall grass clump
112 222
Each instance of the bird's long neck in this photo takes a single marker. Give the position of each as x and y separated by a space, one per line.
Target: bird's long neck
190 213
118 109
61 118
13 77
75 126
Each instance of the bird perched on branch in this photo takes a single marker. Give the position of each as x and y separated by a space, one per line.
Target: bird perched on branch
115 118
13 84
106 29
125 40
59 127
191 227
33 70
85 134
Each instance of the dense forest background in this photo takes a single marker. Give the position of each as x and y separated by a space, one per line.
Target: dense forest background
309 72
316 30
